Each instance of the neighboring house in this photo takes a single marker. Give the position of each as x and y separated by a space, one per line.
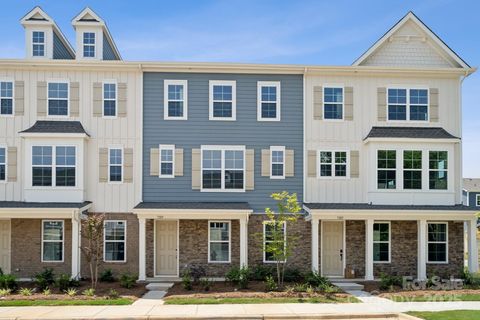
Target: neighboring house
471 193
182 157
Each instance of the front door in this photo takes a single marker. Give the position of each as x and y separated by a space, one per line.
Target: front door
166 263
332 249
5 245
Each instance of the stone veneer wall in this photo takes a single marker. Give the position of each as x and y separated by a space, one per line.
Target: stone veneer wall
355 246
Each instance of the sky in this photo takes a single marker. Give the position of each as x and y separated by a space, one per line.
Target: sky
265 31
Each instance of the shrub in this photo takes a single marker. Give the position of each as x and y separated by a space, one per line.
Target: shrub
107 276
315 279
44 279
260 272
26 291
8 281
197 273
71 292
206 283
293 275
239 276
113 294
47 292
5 292
300 287
187 280
90 292
63 282
128 280
270 284
387 282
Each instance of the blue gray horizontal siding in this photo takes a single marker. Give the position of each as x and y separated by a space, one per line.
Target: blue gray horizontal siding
108 52
198 130
472 199
59 49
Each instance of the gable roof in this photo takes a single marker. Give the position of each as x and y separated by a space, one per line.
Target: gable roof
410 132
471 185
410 16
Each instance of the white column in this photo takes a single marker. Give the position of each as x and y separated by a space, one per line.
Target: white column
315 223
142 252
472 245
243 242
75 248
422 250
369 249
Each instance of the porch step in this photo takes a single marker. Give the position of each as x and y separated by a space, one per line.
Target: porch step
163 279
348 286
159 286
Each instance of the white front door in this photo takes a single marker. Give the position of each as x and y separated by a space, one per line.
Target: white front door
166 260
5 245
332 249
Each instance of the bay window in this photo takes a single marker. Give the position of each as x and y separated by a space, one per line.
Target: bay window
412 169
386 169
438 170
53 166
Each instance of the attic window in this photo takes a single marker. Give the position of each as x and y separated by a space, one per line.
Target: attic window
89 45
38 43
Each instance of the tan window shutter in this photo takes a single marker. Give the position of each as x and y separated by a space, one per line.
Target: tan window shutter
19 98
128 165
289 163
249 169
97 99
317 103
122 99
103 165
348 103
382 104
154 162
41 98
312 163
74 99
354 164
433 105
178 162
12 164
196 169
265 162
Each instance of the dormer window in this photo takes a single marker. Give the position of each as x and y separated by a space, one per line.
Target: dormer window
38 43
89 45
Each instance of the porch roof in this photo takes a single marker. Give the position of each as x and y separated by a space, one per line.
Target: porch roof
194 205
56 205
367 206
42 210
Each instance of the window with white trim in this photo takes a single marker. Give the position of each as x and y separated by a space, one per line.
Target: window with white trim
333 163
333 103
386 169
58 99
478 200
381 242
407 104
65 170
175 99
268 96
115 164
6 97
219 241
438 170
51 164
167 161
412 169
3 164
109 99
52 240
437 242
277 161
114 241
222 104
269 236
89 44
38 43
223 168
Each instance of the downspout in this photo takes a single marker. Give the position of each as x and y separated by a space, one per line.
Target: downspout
304 176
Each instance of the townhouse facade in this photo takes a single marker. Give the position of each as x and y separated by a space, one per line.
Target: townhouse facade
471 192
181 158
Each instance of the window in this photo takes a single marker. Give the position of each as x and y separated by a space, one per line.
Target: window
114 241
6 97
381 242
219 241
175 99
89 44
109 100
167 160
477 197
268 101
333 103
333 163
53 164
269 236
408 104
38 43
57 99
3 164
222 100
386 169
437 242
277 160
438 170
52 241
412 169
115 162
223 168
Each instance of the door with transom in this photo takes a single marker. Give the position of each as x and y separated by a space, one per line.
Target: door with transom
332 249
166 260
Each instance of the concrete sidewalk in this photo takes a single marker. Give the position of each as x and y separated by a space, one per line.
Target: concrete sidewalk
245 311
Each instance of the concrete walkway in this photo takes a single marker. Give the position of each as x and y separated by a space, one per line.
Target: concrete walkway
246 311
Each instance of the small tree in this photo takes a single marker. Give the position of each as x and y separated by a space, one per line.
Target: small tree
281 245
92 232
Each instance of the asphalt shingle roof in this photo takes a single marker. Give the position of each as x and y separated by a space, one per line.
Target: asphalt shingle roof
410 132
366 206
60 205
56 127
195 205
472 185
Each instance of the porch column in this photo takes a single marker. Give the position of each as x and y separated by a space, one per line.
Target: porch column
243 242
422 250
75 248
472 245
369 249
142 249
315 223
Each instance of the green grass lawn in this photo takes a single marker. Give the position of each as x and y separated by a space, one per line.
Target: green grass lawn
92 302
448 315
187 300
437 298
